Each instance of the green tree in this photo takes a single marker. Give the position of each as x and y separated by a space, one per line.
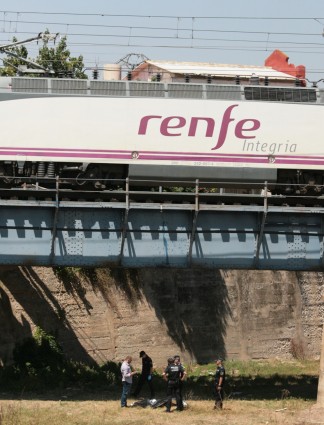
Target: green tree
11 63
57 60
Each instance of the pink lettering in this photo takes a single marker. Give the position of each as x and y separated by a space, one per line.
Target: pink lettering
194 123
144 122
224 126
165 125
240 128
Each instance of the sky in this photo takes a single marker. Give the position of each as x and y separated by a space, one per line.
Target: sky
241 32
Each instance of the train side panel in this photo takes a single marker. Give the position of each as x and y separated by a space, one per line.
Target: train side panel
173 132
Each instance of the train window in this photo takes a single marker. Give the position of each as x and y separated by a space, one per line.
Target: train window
279 94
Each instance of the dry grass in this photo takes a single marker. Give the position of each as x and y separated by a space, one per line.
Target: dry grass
235 412
275 393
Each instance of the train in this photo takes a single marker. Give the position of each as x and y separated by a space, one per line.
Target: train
90 133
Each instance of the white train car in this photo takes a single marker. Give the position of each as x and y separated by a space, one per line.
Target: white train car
96 131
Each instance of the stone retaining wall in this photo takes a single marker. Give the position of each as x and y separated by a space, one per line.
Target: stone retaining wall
100 315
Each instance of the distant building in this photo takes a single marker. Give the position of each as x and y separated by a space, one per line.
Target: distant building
276 72
279 61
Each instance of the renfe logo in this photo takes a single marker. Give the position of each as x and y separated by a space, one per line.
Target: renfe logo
169 124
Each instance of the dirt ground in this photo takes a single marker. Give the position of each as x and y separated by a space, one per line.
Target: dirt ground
94 412
312 416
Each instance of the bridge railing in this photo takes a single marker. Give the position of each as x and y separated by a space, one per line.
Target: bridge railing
134 191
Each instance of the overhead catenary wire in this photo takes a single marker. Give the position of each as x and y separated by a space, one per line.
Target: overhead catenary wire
288 44
195 30
189 38
141 34
163 16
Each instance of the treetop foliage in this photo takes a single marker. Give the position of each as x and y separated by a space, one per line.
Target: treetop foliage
57 61
12 63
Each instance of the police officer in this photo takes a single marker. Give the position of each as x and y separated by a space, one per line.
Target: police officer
219 384
173 374
178 361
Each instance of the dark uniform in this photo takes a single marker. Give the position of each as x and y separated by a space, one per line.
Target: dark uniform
173 373
177 361
146 375
219 385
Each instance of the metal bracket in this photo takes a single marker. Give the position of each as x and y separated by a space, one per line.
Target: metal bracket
194 223
125 226
56 213
260 235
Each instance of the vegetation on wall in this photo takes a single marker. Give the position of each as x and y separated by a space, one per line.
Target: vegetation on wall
39 362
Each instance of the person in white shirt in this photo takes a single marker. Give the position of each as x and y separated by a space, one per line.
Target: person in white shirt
127 379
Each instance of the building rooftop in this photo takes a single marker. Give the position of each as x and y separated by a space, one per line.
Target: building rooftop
215 69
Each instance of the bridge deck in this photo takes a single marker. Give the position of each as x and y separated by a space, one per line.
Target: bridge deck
142 228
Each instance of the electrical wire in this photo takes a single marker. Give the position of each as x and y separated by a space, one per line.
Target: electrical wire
288 18
128 27
164 37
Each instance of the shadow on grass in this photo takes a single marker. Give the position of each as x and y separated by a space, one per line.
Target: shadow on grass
198 388
261 388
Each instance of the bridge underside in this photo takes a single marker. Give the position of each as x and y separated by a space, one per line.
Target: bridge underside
125 234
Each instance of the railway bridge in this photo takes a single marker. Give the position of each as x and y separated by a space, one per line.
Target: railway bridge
134 226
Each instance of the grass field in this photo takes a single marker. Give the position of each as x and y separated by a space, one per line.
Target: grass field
94 412
257 393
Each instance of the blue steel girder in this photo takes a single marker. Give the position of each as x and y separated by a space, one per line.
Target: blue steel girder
124 234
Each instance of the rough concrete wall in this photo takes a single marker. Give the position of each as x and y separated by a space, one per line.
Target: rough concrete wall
103 314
